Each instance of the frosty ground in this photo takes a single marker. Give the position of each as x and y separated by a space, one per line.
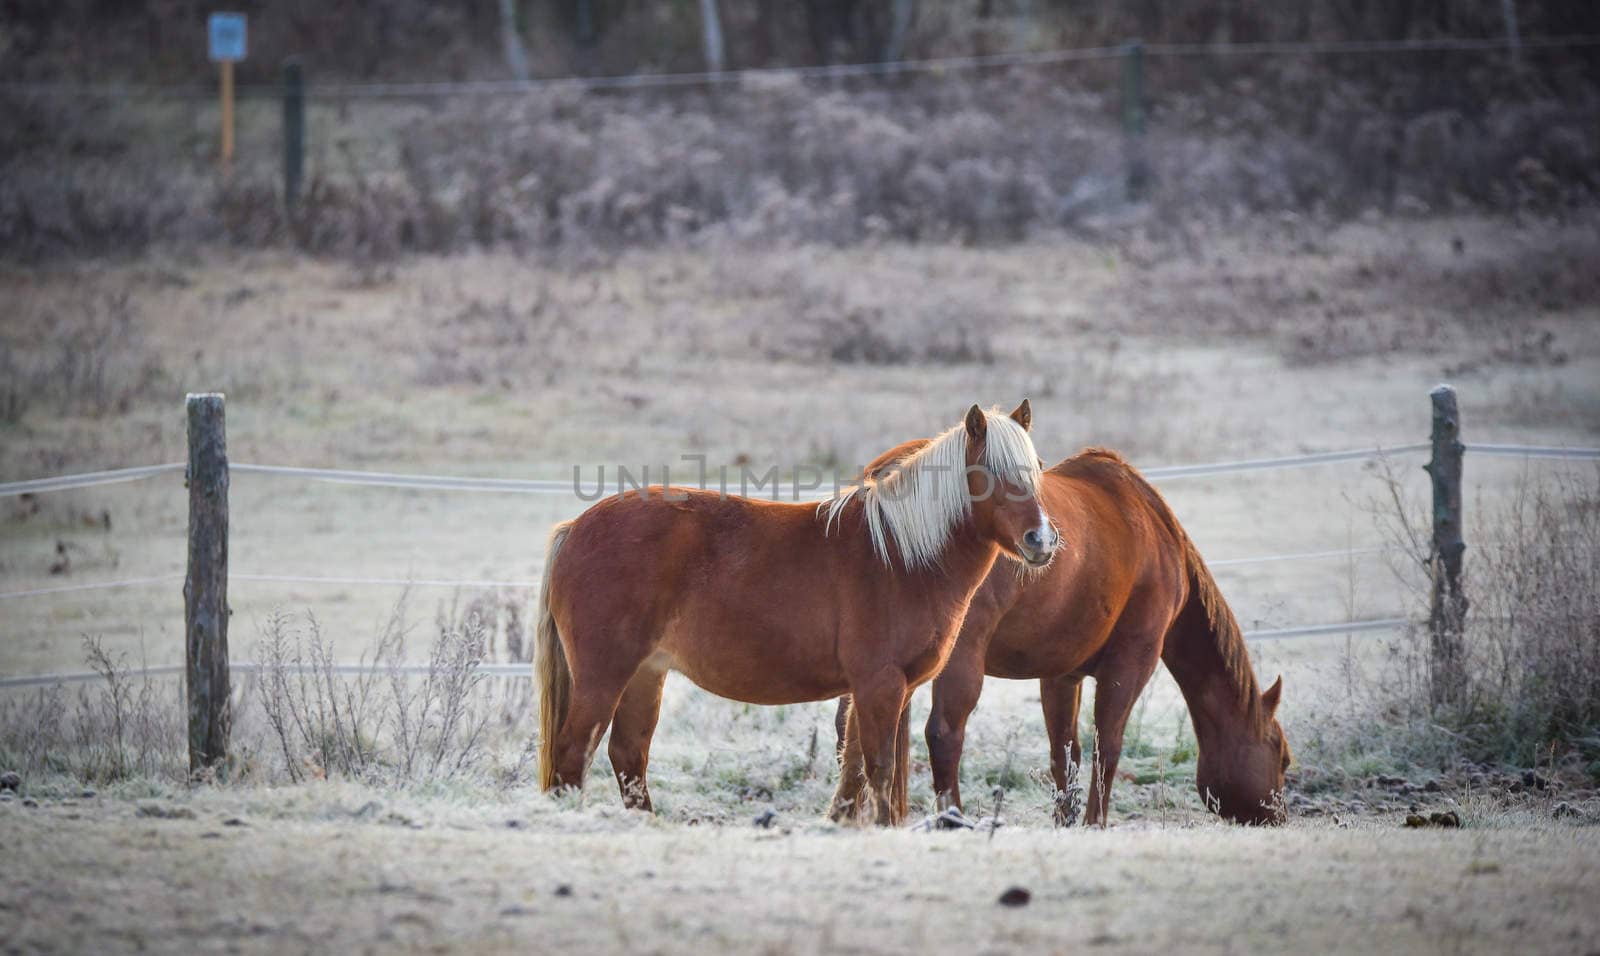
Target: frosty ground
343 868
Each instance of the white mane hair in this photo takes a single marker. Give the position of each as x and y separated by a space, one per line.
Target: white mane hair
920 501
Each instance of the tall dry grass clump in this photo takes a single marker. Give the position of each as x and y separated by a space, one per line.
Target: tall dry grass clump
1530 688
385 720
1533 673
85 357
122 727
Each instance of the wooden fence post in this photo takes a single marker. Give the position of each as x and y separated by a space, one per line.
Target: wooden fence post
205 588
1133 116
1448 609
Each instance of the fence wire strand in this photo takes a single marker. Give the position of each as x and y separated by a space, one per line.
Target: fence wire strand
525 670
485 583
382 479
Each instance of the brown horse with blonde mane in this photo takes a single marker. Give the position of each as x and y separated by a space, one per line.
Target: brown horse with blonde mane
1127 588
775 603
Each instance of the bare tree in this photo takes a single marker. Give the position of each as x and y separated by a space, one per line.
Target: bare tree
586 24
711 27
516 56
904 12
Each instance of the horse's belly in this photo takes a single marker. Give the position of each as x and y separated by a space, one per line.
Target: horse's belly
746 658
1022 654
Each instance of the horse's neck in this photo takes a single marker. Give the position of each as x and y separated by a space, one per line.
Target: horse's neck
966 562
1217 705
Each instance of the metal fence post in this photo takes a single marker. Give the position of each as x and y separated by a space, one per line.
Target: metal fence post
205 587
1133 116
294 132
1448 608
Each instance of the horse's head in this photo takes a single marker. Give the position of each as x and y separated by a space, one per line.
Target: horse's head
1003 480
983 475
1241 777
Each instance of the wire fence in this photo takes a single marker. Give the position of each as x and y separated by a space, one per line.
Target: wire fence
486 668
883 69
380 479
525 669
342 580
418 482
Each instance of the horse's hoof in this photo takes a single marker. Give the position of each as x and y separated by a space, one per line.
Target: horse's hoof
1068 806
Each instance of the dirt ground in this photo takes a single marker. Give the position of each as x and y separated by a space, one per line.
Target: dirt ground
269 873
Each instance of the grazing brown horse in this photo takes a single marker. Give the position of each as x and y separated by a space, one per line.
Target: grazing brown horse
774 603
1126 588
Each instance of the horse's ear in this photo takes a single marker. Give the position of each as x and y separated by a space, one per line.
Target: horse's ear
977 423
1023 415
1269 700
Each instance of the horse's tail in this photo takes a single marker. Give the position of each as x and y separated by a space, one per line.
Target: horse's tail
553 674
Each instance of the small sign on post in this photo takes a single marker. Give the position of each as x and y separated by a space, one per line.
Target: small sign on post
227 42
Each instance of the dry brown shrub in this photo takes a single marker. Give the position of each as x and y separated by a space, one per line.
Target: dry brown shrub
1531 690
124 727
86 356
382 723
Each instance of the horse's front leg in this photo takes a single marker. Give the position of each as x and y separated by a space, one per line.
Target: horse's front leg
955 693
875 723
902 762
1118 680
1059 696
850 776
847 796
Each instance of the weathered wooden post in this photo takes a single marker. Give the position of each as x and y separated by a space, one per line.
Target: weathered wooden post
205 589
1133 116
294 132
1448 610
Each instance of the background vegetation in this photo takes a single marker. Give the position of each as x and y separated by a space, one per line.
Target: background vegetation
969 156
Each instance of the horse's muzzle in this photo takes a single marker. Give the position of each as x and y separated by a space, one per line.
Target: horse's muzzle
1038 546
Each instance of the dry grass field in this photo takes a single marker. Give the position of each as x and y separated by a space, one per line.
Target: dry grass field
1273 340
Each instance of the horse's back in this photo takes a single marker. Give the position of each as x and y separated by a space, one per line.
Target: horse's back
726 588
1120 569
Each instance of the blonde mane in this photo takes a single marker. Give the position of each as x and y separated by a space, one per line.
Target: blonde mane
921 501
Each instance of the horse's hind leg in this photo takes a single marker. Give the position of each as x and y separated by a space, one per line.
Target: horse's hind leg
1059 697
902 763
596 688
955 693
631 730
841 724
